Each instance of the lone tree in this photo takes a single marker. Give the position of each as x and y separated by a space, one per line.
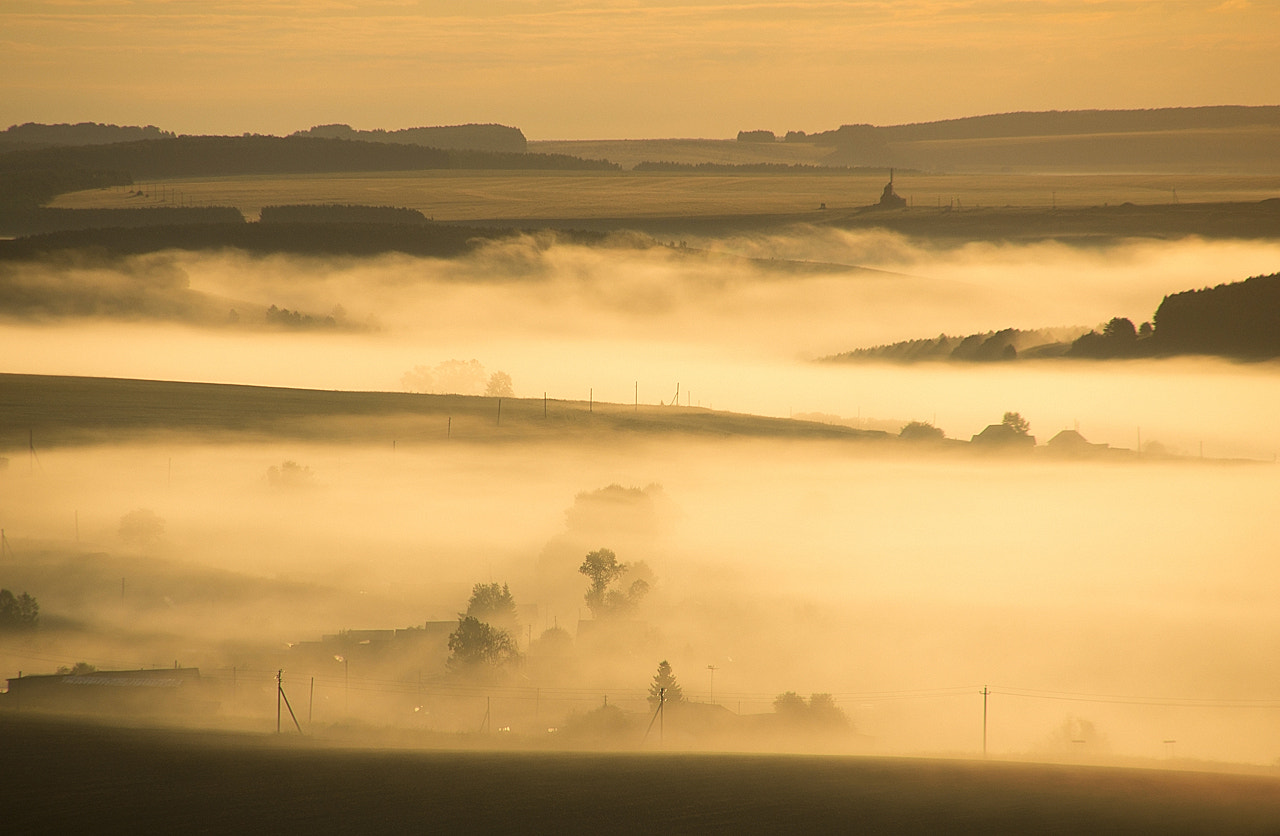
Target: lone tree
18 612
603 569
484 642
664 679
1016 422
477 647
499 386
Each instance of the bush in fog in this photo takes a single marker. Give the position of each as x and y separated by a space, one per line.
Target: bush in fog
141 527
819 713
608 722
78 669
921 431
290 474
18 612
605 596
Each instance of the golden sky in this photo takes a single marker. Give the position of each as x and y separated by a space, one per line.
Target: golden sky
577 69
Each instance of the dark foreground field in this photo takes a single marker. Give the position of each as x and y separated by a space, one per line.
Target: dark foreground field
63 777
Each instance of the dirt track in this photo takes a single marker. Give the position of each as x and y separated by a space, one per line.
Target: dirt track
65 777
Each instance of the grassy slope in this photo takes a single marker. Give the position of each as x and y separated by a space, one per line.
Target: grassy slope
70 776
62 411
662 203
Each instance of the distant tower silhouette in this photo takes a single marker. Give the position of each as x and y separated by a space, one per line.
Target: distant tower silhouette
888 198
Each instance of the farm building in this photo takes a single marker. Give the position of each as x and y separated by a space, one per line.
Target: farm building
141 692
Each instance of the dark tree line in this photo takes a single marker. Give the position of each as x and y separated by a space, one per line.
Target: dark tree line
749 168
330 213
1240 319
469 137
209 156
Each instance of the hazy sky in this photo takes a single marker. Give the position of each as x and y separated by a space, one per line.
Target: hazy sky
567 69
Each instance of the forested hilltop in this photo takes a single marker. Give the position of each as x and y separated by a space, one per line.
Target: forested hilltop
1237 320
30 177
450 137
36 135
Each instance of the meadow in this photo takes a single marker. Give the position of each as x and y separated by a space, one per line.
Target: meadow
528 197
141 780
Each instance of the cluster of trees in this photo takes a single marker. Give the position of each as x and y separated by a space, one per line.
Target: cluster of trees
820 713
1118 338
18 612
746 168
35 134
212 156
484 643
921 431
1239 319
458 377
991 346
452 137
289 475
297 319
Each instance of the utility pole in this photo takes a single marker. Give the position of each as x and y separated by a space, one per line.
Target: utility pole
713 670
985 692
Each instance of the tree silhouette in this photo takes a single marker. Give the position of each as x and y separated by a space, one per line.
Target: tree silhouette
603 568
921 431
484 643
476 647
1016 422
18 612
499 386
492 603
818 714
664 679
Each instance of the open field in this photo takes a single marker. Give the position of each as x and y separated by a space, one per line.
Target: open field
533 196
628 152
147 780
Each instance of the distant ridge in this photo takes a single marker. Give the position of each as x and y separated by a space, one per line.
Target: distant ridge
1074 122
1187 139
37 135
469 137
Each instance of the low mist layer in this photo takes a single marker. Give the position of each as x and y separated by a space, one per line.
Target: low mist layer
1124 605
